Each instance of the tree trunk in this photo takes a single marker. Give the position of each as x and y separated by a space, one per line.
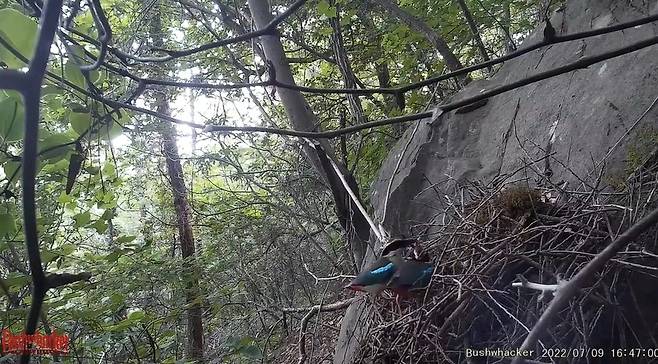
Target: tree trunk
475 32
510 46
383 73
452 62
194 344
349 79
302 118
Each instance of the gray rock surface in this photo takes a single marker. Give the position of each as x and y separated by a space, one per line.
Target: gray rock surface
579 119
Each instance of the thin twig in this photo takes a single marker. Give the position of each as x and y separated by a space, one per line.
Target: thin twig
570 288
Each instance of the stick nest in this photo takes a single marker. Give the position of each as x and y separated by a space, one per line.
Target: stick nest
503 233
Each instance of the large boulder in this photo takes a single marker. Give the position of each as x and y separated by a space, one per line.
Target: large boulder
566 129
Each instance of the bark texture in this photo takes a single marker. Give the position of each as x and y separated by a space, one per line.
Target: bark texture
194 343
474 31
349 78
302 118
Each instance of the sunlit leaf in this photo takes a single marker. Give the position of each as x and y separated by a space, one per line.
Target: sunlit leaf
73 74
100 226
64 198
67 249
80 122
327 10
21 33
82 219
125 239
136 315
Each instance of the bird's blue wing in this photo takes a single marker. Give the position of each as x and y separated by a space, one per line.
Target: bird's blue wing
376 276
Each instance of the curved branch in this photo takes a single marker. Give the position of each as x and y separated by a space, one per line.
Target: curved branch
401 89
310 312
31 92
570 289
104 34
173 54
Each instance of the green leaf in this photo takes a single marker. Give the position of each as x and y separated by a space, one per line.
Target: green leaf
108 214
245 346
100 226
345 21
250 351
167 333
107 205
55 147
72 74
16 281
51 90
64 198
80 122
7 224
327 10
92 170
126 239
77 107
111 129
20 32
82 219
325 31
108 197
12 119
114 256
120 326
96 77
67 249
233 342
48 256
109 169
136 315
56 166
123 117
117 298
111 132
12 169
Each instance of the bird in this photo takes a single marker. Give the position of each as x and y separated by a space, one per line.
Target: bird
375 278
410 276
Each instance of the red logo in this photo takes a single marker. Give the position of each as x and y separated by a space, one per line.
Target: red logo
38 343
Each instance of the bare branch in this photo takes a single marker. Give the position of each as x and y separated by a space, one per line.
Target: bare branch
173 54
569 290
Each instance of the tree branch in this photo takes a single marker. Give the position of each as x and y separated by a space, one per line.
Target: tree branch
570 289
269 29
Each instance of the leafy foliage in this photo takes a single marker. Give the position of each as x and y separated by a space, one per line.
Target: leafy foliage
263 219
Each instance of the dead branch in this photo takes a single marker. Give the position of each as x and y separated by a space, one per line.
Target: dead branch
569 290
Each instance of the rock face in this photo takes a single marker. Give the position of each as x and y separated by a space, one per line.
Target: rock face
566 128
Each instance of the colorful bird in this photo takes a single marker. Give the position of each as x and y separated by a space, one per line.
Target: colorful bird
410 276
376 277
